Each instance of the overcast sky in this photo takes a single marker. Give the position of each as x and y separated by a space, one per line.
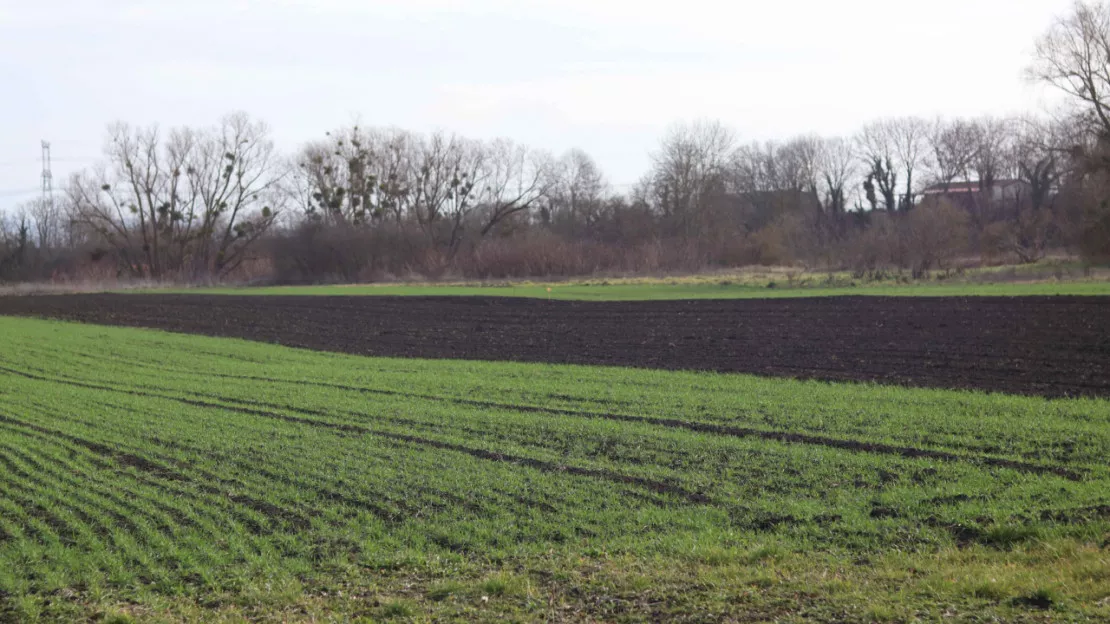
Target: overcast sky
608 76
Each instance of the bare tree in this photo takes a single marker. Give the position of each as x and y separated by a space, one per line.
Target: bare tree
46 217
798 161
955 147
1037 156
15 245
995 150
195 200
445 184
754 168
688 169
338 179
448 171
774 166
232 178
891 147
876 149
910 138
514 179
395 167
836 166
577 195
1074 56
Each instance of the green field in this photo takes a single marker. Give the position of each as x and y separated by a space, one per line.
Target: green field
676 289
168 477
174 476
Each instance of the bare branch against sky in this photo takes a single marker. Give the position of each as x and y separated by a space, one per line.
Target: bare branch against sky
605 76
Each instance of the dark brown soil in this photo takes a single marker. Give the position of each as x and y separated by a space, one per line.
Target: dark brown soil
1052 346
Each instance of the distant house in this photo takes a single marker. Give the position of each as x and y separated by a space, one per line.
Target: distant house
969 193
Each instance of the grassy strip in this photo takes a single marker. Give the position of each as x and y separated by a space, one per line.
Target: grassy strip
672 290
1057 581
1049 277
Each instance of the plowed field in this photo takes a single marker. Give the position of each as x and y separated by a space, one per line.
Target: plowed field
1050 346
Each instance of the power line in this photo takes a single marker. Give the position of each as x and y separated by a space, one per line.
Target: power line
18 192
31 161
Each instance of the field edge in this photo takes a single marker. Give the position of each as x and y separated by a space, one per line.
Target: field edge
1062 580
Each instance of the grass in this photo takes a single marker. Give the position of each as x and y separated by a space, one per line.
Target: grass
146 475
671 290
1050 277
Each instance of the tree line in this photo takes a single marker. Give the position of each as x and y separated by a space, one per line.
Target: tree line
220 202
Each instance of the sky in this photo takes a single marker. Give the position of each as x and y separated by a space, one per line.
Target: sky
606 76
